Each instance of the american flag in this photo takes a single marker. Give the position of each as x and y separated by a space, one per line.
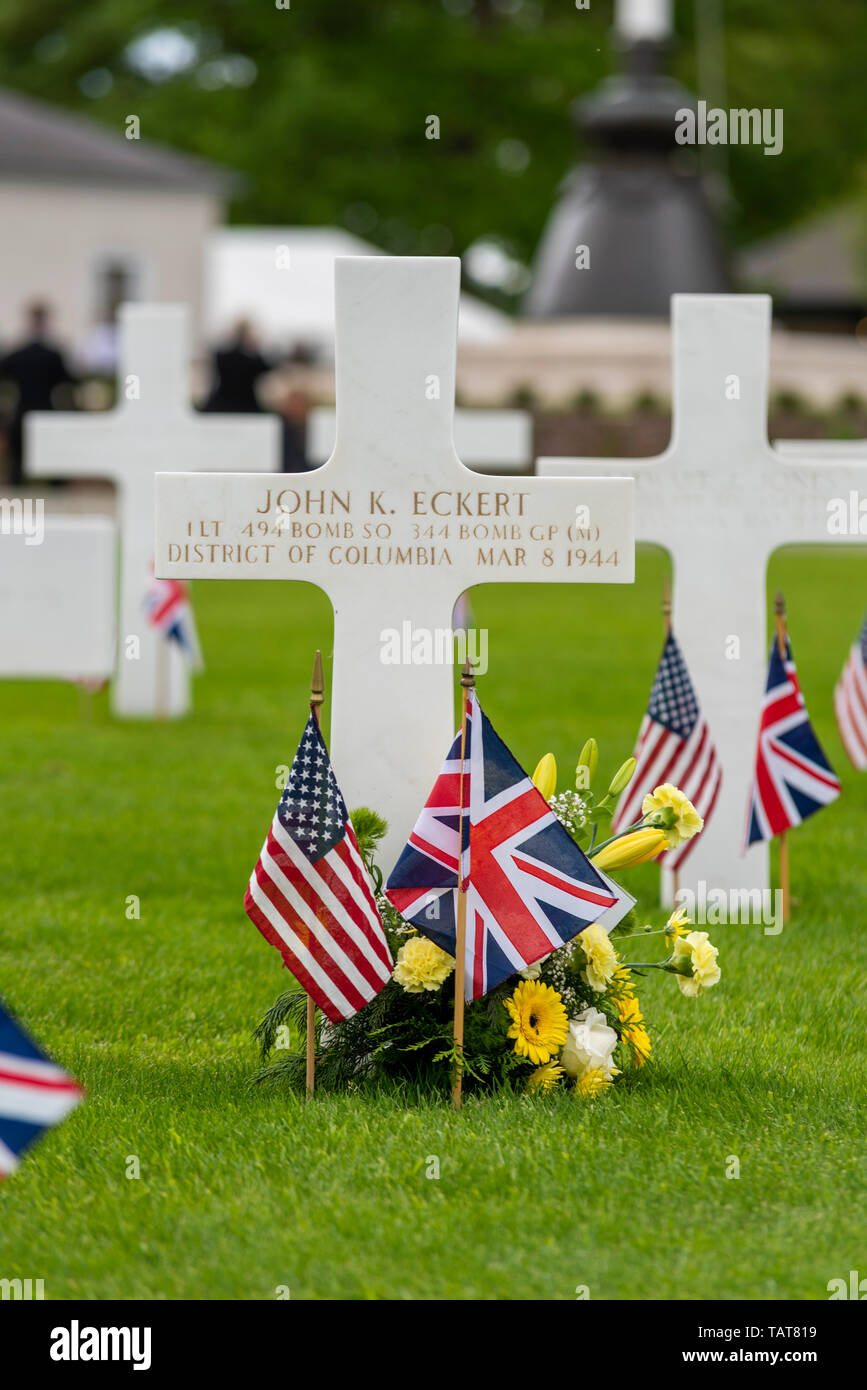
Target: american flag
34 1093
793 776
529 888
674 745
310 894
168 608
850 702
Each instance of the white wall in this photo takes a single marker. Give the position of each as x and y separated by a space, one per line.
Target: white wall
53 235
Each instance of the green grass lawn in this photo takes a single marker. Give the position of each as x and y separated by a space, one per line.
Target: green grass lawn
244 1191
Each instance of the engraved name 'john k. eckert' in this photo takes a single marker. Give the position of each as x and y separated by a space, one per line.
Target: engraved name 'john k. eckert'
442 503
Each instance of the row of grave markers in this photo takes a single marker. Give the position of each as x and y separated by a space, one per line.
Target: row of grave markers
394 526
154 425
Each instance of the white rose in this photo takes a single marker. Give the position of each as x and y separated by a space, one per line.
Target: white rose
591 1043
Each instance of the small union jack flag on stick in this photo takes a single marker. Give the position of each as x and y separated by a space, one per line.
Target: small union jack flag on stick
168 609
489 873
35 1094
850 703
793 777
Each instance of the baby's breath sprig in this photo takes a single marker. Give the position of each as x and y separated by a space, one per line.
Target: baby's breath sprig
572 810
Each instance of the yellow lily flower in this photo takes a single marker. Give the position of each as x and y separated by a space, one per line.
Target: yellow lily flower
588 759
622 777
545 776
634 848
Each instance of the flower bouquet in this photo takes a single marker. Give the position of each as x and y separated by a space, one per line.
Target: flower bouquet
571 1019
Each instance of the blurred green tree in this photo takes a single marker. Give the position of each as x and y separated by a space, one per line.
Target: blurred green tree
324 105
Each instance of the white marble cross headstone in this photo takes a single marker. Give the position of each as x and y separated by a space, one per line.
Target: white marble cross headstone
840 450
393 528
500 440
153 426
721 500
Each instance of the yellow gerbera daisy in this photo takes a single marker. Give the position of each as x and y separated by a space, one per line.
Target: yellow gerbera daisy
633 1031
594 1082
539 1023
544 1078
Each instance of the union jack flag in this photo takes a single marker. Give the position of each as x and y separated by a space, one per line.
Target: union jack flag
793 776
529 888
310 894
168 608
674 745
850 702
34 1093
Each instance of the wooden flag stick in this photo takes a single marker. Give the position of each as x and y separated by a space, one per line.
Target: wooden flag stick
162 676
317 695
780 614
85 703
467 683
666 613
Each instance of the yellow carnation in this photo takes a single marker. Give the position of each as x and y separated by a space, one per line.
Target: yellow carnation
422 965
685 819
600 956
694 960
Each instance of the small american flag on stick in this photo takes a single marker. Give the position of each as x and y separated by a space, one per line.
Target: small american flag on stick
850 702
674 745
310 893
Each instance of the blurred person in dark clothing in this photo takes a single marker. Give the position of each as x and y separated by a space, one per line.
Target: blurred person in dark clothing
238 365
35 369
294 409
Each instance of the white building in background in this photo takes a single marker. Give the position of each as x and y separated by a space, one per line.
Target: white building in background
282 280
89 218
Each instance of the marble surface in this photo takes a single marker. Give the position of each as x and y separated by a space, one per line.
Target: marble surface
57 601
501 439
